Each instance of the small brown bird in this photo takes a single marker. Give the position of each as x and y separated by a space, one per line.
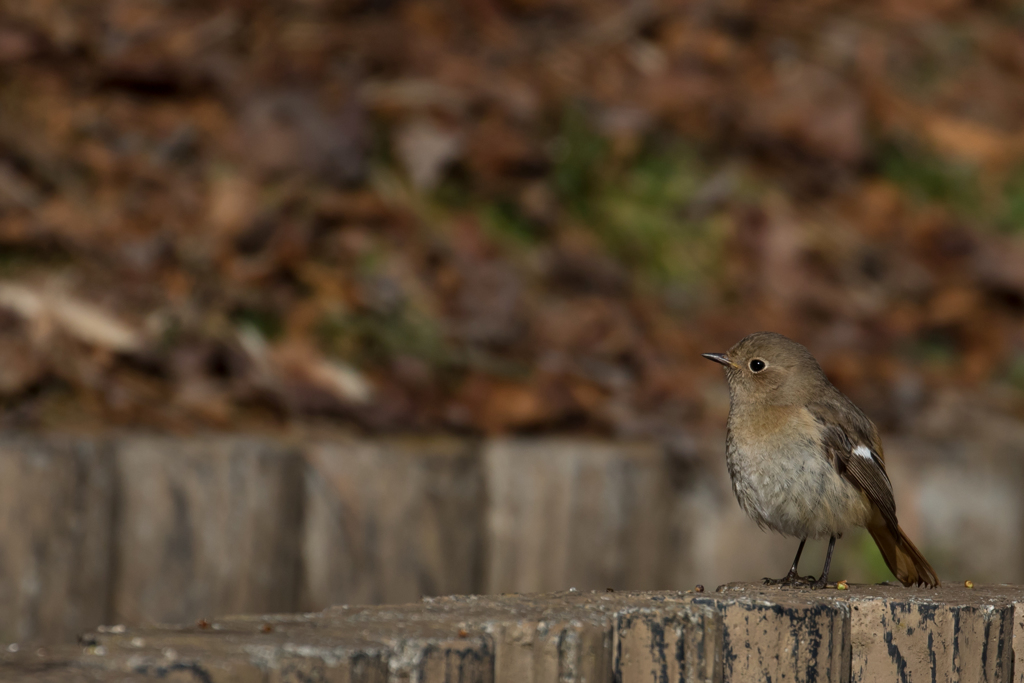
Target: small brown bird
804 460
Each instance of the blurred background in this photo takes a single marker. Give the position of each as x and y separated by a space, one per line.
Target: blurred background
308 302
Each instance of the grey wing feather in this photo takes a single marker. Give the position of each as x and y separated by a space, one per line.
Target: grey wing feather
845 442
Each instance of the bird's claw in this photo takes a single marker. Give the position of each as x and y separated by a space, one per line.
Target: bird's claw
789 580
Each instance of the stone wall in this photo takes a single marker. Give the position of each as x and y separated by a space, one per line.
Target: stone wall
741 633
137 529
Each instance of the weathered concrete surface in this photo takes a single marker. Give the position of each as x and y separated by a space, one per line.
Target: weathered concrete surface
564 637
391 520
791 635
56 524
740 633
953 636
204 527
920 634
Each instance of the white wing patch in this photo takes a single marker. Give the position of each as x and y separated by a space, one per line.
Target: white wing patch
863 451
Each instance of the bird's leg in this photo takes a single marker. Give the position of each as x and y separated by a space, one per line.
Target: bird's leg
821 582
793 576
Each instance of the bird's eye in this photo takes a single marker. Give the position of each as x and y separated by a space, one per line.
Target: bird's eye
757 365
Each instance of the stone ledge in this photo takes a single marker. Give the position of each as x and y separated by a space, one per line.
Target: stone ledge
738 633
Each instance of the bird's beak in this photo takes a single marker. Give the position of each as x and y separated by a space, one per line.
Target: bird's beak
719 358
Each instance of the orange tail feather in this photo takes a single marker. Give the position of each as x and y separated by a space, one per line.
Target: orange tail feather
904 560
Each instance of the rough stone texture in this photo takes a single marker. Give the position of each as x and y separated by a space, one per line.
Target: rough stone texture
783 635
1018 642
909 634
205 527
390 521
950 636
565 637
56 508
667 640
740 633
570 513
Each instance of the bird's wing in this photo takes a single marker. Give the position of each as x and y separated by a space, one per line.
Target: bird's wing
852 445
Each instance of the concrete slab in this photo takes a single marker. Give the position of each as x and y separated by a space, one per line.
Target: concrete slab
739 633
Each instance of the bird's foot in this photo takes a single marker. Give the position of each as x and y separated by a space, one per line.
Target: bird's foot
790 579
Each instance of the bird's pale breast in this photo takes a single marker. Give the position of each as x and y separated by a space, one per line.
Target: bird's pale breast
784 483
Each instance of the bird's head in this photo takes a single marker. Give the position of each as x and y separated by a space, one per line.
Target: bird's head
766 367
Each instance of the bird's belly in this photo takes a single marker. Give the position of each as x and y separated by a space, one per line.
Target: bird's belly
800 494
